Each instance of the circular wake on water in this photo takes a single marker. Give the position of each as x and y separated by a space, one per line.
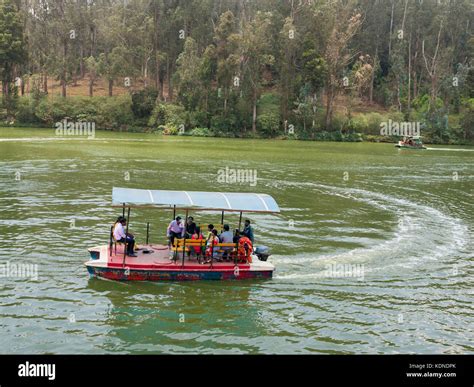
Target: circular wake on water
422 234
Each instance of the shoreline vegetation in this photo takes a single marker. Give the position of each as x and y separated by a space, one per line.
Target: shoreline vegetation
323 71
117 114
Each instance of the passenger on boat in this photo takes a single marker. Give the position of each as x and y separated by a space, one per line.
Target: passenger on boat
122 237
226 237
175 230
248 230
210 227
190 227
245 249
236 237
211 249
197 236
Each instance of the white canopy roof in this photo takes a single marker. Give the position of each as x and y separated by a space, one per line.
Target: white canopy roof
219 201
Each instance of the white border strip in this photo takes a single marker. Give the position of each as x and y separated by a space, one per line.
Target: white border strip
189 198
263 201
151 196
227 200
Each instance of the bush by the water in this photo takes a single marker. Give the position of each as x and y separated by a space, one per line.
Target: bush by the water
105 112
120 113
143 102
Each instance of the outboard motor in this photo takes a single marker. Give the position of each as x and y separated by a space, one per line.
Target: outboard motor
262 252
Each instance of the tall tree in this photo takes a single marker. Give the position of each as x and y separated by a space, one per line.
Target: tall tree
344 24
12 48
255 48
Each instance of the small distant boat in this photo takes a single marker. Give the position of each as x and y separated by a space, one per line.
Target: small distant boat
153 262
410 142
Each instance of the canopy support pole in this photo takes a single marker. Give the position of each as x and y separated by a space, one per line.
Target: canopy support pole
240 220
123 210
147 231
111 243
184 242
126 235
212 253
174 212
222 218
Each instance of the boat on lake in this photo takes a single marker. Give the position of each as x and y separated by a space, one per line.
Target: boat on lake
410 142
161 262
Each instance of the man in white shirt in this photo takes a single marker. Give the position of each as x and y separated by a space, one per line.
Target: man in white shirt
121 236
175 229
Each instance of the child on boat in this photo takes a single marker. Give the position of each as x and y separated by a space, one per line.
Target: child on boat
196 250
211 249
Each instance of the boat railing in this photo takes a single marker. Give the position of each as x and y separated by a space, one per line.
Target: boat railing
183 245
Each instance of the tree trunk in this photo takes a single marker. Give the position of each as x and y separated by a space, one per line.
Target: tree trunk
409 76
225 102
111 86
63 74
81 62
45 83
145 73
91 87
371 90
415 85
161 89
170 83
156 17
391 30
329 106
5 87
254 111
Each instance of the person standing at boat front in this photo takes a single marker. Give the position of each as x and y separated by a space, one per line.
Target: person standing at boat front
175 230
122 237
248 230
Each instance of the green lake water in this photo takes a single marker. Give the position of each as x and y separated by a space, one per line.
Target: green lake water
373 247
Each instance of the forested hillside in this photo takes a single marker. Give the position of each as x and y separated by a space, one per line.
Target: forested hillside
308 69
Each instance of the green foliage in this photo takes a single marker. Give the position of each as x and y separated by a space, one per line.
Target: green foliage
268 119
12 52
143 102
196 119
106 112
268 124
26 111
314 69
167 114
284 61
467 120
469 86
222 124
115 112
201 132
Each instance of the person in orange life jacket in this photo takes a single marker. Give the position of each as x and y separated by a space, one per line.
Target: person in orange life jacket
245 249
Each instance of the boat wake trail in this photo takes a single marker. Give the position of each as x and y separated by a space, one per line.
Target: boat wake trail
452 149
420 234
